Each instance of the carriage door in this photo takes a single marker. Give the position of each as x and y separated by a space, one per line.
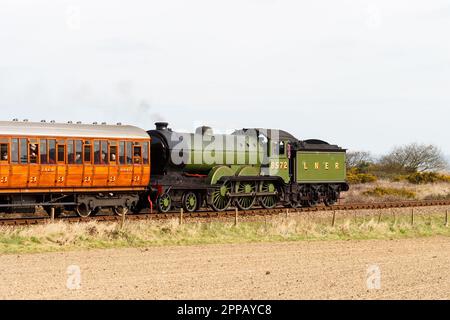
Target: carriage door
113 160
19 163
4 163
88 169
34 168
61 163
137 164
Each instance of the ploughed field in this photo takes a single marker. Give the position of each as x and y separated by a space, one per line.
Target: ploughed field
410 268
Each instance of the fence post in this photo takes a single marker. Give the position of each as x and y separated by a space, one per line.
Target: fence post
379 215
446 218
287 213
334 218
52 214
181 216
236 213
122 220
412 216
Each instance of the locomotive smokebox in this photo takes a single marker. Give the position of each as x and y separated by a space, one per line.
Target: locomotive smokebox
161 125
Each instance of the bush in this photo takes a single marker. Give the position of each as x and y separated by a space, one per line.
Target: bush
354 177
438 197
381 192
426 177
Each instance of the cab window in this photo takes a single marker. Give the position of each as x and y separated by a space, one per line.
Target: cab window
282 148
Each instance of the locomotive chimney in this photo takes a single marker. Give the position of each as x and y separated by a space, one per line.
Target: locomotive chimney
161 125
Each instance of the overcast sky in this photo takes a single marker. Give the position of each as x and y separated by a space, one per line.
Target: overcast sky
363 74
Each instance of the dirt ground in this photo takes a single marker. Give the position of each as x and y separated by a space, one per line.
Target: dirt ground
410 268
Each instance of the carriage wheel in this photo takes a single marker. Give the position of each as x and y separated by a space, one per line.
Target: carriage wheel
220 200
83 210
164 203
190 202
268 202
120 210
245 202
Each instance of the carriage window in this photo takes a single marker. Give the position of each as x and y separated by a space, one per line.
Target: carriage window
23 151
52 151
145 153
113 154
4 152
43 152
129 152
104 158
14 150
78 151
61 153
34 152
87 152
96 152
137 152
122 152
70 153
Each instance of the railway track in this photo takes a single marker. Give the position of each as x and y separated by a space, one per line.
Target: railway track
231 213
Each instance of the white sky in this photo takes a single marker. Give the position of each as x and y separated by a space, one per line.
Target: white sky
363 74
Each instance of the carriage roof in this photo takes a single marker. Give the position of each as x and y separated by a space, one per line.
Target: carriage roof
48 129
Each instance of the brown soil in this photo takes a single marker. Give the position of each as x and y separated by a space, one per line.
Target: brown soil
410 268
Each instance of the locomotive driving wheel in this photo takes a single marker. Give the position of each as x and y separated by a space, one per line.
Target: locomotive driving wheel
219 199
245 202
190 202
164 203
268 202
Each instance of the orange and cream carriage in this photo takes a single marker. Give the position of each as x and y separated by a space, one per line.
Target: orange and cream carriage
74 167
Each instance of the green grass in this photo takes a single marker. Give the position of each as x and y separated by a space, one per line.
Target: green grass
62 237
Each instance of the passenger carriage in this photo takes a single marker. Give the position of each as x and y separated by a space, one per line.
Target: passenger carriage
70 166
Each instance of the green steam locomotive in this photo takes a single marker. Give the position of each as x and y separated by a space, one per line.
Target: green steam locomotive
248 168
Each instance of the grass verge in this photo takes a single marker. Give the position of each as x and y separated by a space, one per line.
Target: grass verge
62 236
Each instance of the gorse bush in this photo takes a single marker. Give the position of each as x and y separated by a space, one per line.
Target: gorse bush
382 192
427 177
361 178
355 177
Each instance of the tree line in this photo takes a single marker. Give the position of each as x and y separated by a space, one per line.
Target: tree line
403 160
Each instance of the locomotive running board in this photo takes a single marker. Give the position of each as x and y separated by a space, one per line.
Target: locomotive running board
252 194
